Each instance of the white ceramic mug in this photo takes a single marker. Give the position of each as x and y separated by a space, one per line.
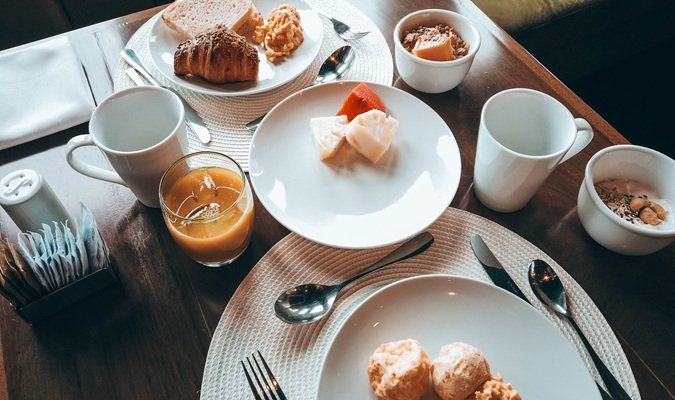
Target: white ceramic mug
523 136
141 131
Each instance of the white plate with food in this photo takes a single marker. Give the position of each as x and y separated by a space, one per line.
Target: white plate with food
518 342
348 201
163 42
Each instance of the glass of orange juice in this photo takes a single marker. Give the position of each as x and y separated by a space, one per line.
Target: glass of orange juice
207 205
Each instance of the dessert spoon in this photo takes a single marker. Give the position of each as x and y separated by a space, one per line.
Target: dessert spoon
548 288
332 69
311 301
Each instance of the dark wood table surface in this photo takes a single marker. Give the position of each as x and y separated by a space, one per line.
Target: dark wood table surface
147 337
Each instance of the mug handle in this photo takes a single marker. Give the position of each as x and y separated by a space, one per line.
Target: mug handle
88 169
584 137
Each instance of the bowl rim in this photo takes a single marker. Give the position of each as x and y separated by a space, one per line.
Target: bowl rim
473 48
595 198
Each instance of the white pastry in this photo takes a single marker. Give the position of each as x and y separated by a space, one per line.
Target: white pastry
496 389
399 370
459 371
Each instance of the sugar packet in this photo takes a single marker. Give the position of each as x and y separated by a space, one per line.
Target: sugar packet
51 259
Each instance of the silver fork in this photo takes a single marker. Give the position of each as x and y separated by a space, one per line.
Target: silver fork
266 384
343 30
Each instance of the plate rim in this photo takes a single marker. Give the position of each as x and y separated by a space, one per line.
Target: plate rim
379 244
439 277
156 19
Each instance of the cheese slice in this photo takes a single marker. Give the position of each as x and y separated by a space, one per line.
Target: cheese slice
371 134
328 133
436 49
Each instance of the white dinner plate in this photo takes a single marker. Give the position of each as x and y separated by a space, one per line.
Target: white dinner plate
518 342
163 41
354 203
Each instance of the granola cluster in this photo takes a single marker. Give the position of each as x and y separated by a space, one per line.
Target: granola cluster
432 34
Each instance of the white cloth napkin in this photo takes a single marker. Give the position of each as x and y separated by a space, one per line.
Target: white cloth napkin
43 90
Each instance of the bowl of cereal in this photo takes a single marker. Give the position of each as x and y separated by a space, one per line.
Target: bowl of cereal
626 199
434 49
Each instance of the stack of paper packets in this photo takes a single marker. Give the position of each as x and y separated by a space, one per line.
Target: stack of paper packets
51 261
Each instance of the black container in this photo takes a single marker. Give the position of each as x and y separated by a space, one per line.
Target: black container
72 293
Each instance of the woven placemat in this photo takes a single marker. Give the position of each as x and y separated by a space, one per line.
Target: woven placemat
295 353
226 117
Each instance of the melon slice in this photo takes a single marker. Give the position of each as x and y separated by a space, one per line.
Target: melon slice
328 134
360 100
371 134
438 49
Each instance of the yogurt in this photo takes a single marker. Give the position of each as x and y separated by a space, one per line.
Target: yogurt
617 194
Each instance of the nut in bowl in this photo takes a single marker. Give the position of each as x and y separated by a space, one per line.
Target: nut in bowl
627 198
434 49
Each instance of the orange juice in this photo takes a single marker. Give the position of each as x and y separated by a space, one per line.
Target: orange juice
210 214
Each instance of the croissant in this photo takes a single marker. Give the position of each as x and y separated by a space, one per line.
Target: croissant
218 55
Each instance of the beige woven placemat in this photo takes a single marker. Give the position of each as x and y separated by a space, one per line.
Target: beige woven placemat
226 116
295 353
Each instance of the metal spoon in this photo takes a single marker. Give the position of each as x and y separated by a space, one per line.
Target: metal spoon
332 69
309 302
335 65
549 289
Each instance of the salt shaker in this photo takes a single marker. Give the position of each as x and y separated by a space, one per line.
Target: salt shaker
29 200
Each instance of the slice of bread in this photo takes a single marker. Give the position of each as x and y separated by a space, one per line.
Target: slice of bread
248 28
190 17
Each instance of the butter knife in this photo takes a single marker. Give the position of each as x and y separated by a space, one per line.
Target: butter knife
193 120
501 278
131 73
493 267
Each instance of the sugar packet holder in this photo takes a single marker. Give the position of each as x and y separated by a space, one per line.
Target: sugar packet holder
49 271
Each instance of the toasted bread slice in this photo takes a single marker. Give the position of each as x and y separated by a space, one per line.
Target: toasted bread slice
248 28
190 17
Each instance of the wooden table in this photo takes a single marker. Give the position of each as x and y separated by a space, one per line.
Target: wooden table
148 336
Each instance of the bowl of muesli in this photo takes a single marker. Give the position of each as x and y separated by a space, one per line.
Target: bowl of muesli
434 49
627 198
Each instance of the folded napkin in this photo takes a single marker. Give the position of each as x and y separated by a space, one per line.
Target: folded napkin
43 90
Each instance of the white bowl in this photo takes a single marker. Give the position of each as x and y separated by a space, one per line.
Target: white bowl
649 167
434 76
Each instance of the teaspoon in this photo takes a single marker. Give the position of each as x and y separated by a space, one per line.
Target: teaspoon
311 301
332 69
548 288
335 66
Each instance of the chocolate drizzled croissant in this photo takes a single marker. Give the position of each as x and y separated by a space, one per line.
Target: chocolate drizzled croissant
217 55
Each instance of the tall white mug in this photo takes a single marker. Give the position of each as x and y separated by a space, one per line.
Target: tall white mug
141 131
523 136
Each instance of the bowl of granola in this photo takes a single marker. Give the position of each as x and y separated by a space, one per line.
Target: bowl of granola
434 49
627 198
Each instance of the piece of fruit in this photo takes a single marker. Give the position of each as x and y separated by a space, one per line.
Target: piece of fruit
438 49
371 134
360 100
328 134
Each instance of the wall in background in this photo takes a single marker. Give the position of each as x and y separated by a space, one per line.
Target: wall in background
636 97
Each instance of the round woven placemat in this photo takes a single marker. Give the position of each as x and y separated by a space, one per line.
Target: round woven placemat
226 117
295 353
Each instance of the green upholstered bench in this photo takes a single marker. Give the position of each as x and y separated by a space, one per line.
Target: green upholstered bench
574 38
